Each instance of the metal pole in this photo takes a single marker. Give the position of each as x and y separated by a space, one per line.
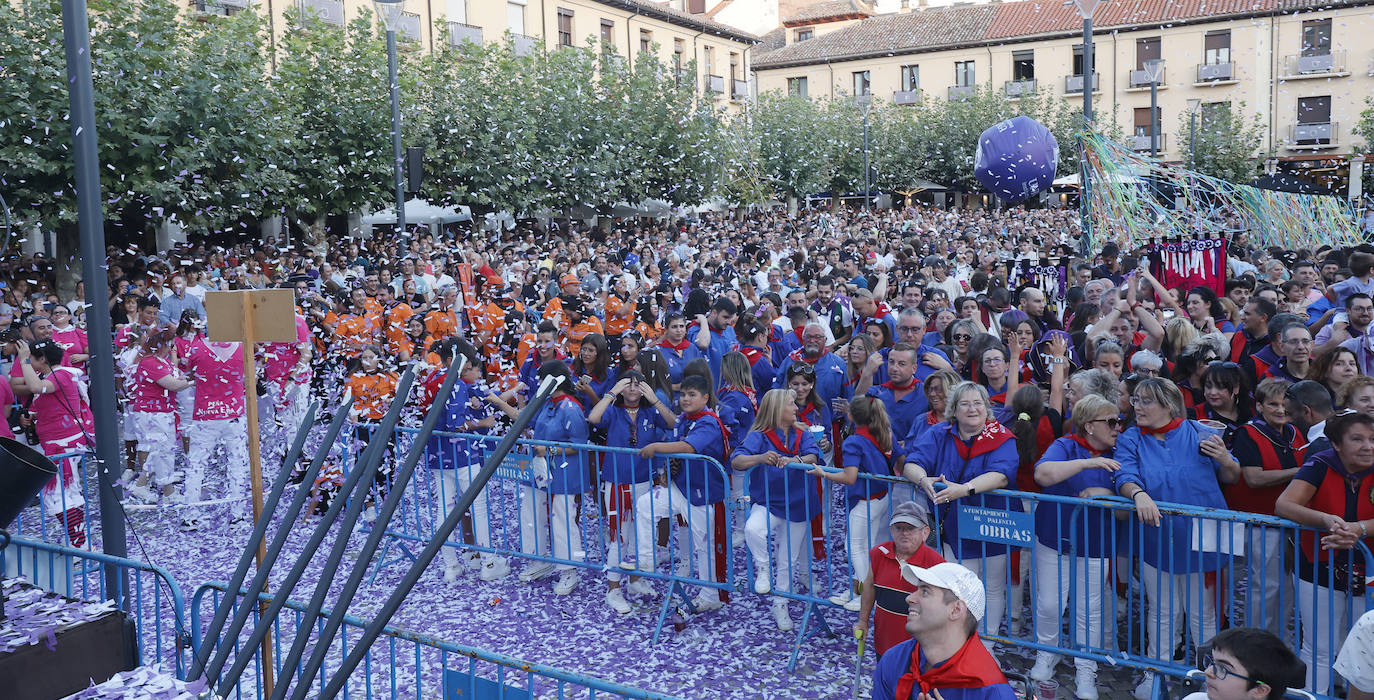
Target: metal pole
1085 181
866 184
397 156
363 645
1154 117
1192 140
91 224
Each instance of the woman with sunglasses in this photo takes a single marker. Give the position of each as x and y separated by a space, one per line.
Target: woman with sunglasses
625 477
1167 458
959 334
1080 466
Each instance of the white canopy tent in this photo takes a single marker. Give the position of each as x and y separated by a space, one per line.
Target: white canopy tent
419 211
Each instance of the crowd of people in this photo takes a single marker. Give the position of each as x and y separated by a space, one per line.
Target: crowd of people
904 343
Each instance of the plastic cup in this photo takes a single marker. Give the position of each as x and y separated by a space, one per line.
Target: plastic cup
1047 690
1208 427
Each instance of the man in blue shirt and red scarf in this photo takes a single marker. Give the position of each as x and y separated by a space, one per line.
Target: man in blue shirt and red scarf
945 659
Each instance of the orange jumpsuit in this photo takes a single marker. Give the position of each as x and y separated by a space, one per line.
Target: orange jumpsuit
372 392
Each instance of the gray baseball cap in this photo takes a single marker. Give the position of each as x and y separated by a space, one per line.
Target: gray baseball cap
911 513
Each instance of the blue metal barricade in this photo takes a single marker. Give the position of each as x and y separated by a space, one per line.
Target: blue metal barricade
151 597
406 664
35 524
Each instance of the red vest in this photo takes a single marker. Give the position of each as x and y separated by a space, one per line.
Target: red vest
1241 496
1332 497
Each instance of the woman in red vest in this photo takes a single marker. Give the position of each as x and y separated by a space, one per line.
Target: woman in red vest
1333 494
1270 449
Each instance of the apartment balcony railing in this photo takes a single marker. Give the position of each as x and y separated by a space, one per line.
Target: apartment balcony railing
328 11
962 92
1215 72
1314 135
1144 79
522 45
459 33
1142 142
1329 63
739 89
408 27
1019 88
715 84
906 97
1074 83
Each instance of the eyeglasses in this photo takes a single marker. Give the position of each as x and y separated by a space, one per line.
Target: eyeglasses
1222 672
910 329
802 369
961 337
970 404
1114 423
1142 401
1299 342
1224 364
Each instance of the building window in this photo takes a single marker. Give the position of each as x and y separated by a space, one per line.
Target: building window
1023 65
646 41
861 83
911 79
734 67
708 55
515 17
458 11
1142 120
1316 37
1078 59
1314 110
1146 52
607 35
964 74
804 34
678 48
796 87
565 27
1216 48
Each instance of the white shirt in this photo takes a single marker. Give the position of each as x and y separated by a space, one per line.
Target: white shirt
1355 663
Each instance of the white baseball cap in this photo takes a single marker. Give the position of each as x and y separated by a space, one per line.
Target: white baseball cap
953 577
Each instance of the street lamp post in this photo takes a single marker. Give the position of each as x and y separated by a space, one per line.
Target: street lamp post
1154 71
390 12
1086 9
1194 105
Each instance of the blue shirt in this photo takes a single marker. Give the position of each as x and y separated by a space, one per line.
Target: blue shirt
736 411
1350 285
923 370
1090 533
678 359
648 427
701 480
936 451
786 492
830 376
721 343
892 666
902 412
562 420
762 371
173 306
1170 470
860 452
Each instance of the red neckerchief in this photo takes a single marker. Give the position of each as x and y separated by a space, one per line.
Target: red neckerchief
1161 430
866 433
808 410
724 432
992 437
567 397
798 332
678 346
799 355
909 385
931 418
747 392
773 437
970 667
751 353
1084 442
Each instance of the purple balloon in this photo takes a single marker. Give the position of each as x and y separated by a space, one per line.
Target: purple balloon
1016 158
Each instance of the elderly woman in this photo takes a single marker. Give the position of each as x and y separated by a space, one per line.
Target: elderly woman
1167 458
1081 466
1331 495
969 454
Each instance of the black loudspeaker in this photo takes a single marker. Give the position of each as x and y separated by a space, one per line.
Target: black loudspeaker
415 168
23 472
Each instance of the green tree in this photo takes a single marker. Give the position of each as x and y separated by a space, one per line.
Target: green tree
1226 143
791 160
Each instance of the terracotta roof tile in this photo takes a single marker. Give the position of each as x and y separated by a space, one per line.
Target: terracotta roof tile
834 9
674 16
877 35
772 41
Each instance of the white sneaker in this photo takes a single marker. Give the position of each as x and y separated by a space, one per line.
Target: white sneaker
781 616
536 571
763 583
616 599
843 597
641 588
1044 666
1085 683
854 604
707 601
141 492
567 581
453 572
472 560
494 570
1147 686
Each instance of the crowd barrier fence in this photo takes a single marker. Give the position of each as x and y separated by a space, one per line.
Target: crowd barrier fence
403 663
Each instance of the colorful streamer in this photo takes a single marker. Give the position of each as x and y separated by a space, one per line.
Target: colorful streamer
1134 199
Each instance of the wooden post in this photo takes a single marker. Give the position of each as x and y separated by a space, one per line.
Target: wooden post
250 317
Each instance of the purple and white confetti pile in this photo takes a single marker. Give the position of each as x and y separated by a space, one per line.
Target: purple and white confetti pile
34 616
142 683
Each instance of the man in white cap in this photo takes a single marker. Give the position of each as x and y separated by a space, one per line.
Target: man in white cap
945 659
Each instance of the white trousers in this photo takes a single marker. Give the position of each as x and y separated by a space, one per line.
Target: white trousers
534 521
1269 599
789 539
868 528
63 491
666 502
621 533
286 402
554 513
186 406
1171 598
157 436
993 571
452 484
1054 575
205 437
1327 615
